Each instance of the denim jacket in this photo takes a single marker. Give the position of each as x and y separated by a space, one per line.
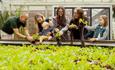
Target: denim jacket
100 33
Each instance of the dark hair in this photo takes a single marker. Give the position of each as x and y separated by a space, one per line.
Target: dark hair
80 12
61 20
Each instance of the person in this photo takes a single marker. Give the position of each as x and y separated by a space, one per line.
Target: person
75 25
60 21
100 31
39 19
12 26
46 33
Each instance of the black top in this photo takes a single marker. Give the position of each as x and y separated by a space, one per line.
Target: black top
12 22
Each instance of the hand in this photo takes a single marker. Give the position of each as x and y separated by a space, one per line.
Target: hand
49 33
56 30
92 39
30 38
60 33
50 37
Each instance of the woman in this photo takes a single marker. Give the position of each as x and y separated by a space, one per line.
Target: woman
101 30
60 21
39 19
75 26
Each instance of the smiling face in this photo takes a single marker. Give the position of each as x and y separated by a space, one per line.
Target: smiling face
101 20
78 13
39 18
60 11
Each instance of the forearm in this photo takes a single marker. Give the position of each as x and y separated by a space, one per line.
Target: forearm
91 28
26 32
64 29
20 35
16 31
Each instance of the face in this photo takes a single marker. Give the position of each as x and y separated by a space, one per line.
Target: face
60 12
101 20
39 19
76 15
23 19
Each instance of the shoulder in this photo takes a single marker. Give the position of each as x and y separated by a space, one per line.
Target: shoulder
71 20
13 18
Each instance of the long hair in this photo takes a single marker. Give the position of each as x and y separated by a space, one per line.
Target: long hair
39 25
105 18
61 20
80 12
38 15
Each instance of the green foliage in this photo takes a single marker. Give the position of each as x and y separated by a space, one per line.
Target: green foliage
50 57
83 21
3 17
35 36
6 14
58 35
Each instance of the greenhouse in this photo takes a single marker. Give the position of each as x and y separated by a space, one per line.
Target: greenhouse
57 35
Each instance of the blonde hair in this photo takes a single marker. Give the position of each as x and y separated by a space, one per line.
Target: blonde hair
43 18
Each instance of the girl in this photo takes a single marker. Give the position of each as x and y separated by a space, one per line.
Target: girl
39 19
75 26
101 30
60 22
46 33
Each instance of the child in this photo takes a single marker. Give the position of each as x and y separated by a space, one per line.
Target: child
101 30
46 32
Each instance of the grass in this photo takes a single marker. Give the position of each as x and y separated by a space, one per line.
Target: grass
50 57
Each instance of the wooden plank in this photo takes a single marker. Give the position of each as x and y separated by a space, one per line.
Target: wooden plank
87 43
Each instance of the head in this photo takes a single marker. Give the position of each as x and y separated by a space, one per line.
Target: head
103 20
45 25
60 11
49 20
23 17
78 13
39 18
61 16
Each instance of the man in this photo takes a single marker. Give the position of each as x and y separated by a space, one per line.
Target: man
12 26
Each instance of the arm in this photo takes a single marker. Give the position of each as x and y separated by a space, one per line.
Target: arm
16 31
36 28
28 37
91 28
26 31
54 23
66 27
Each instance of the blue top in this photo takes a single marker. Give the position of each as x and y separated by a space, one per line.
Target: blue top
45 31
100 33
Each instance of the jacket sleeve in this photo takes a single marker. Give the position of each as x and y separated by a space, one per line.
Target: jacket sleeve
91 28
